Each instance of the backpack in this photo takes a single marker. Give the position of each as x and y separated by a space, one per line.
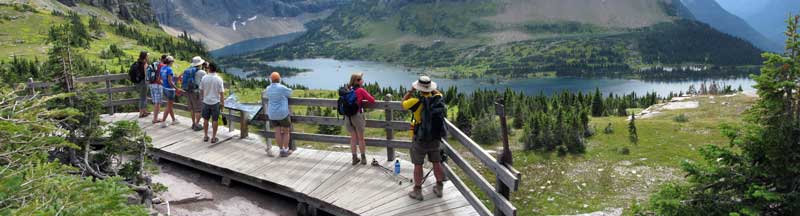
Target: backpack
188 79
346 105
433 115
133 73
152 73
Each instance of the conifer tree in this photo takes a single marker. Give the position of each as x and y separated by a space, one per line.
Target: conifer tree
633 135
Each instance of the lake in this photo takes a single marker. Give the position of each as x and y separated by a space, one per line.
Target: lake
330 74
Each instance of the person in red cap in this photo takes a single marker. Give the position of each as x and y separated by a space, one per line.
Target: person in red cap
279 113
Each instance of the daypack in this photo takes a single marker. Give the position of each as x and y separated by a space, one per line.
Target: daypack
133 73
433 115
152 74
346 105
189 83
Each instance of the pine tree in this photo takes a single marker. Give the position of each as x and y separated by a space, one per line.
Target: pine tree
633 135
759 174
597 104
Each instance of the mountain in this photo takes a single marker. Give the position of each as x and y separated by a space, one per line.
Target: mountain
125 9
516 38
767 16
220 23
709 11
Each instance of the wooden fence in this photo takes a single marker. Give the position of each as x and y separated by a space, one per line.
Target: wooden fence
507 178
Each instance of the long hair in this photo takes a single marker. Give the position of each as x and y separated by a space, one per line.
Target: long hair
143 57
355 79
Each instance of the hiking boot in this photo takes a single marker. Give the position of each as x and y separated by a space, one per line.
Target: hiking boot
437 189
416 193
355 160
363 159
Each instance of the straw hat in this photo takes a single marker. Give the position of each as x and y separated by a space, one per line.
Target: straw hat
424 84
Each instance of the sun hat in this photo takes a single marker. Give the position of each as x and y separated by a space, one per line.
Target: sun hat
275 76
424 84
170 59
197 61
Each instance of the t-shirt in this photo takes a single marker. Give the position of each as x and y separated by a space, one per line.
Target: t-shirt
211 86
198 76
278 101
407 104
166 73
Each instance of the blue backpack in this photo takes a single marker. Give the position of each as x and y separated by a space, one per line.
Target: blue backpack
189 83
346 105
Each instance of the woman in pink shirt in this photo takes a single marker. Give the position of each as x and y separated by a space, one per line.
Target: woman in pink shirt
357 123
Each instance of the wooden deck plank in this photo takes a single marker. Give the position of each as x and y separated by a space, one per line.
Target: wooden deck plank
325 176
317 174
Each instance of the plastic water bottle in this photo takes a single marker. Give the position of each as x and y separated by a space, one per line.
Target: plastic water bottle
397 167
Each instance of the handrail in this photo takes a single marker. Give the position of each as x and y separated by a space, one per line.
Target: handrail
507 176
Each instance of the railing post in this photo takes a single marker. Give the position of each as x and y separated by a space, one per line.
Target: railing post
243 129
266 120
389 132
31 87
110 97
505 158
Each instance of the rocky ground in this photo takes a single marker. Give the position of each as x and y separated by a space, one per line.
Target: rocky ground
193 192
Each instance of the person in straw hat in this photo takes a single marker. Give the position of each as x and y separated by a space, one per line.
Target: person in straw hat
424 89
191 79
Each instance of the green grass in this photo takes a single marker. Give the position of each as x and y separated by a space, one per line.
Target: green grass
29 28
555 185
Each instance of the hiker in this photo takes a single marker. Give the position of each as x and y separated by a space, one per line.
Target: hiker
355 121
190 79
279 113
428 111
212 90
138 73
167 77
156 86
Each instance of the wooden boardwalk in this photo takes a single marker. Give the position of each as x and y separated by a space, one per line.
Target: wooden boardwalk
322 180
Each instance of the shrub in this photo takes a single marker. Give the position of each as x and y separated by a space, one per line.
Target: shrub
486 130
681 118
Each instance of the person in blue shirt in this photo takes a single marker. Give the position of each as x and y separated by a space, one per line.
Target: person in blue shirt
170 89
278 112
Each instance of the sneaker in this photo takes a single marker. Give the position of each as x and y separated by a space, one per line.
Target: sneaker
175 122
416 194
270 153
164 124
437 189
283 153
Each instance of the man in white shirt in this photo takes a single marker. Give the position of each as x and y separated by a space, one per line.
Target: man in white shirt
212 90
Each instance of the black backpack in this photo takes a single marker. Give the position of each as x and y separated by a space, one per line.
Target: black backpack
134 73
433 115
346 105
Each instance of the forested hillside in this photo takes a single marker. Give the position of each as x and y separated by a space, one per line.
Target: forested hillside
477 38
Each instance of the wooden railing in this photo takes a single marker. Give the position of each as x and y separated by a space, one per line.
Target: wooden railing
507 178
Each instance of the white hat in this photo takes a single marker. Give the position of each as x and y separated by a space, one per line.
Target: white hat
170 59
197 61
424 84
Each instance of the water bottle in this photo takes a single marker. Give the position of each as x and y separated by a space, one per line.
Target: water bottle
397 167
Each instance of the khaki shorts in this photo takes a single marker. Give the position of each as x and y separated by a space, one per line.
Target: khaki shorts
356 123
193 100
420 150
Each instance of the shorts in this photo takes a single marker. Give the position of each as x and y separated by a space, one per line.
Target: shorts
156 91
169 94
210 112
355 123
193 100
286 122
432 150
